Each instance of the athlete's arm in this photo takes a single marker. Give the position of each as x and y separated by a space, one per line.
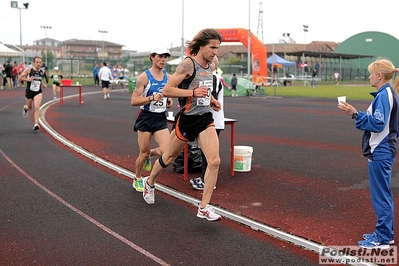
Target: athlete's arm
137 99
215 104
24 74
184 70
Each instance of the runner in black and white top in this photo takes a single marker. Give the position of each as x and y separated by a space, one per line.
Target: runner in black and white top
33 93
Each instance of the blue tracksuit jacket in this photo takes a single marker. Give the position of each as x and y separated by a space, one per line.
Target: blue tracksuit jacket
380 125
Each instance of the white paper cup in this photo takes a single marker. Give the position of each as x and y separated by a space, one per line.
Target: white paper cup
170 114
77 83
341 99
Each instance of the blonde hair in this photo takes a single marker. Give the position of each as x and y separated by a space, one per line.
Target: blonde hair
387 69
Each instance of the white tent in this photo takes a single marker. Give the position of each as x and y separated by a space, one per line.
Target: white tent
7 52
174 62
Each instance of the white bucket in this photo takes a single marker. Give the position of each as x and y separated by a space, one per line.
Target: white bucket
242 158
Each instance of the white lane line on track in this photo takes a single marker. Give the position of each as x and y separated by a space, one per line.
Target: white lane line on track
84 215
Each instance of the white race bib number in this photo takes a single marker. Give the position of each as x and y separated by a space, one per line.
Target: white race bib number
158 106
206 101
35 85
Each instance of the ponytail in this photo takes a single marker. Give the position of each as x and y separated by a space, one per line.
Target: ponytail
396 80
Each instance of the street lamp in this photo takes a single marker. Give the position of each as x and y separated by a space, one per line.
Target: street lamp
103 32
285 42
14 4
182 31
305 29
45 39
71 67
249 41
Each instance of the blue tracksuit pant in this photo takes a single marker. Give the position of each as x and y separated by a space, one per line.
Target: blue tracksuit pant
380 173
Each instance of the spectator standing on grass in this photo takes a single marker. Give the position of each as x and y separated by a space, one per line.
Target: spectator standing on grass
233 84
105 76
380 126
151 118
115 72
192 82
21 68
1 75
14 75
4 76
8 70
336 77
314 78
258 82
126 73
121 75
95 75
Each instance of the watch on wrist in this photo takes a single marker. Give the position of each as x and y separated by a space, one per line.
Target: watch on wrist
354 115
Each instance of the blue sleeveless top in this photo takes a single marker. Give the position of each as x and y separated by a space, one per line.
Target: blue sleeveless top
153 87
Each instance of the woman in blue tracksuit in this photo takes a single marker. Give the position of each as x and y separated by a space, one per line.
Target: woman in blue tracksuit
380 126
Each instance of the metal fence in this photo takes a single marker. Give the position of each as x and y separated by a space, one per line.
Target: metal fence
83 67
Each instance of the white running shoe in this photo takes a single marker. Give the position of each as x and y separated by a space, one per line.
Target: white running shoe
36 126
197 183
148 193
24 112
208 213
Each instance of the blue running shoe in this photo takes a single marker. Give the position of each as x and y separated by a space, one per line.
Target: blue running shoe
197 183
373 243
368 236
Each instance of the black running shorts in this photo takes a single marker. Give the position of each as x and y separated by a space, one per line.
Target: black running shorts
150 122
105 84
31 94
188 127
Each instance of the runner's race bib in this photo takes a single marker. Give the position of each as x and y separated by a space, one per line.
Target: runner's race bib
35 85
158 106
207 100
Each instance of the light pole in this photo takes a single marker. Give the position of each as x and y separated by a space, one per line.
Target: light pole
249 41
14 4
285 42
71 67
103 32
182 30
305 29
45 39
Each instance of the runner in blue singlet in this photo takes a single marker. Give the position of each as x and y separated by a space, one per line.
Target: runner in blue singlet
151 117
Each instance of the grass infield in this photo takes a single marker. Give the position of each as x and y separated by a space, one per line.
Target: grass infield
354 92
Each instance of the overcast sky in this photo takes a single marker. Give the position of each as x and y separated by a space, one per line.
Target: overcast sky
146 24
